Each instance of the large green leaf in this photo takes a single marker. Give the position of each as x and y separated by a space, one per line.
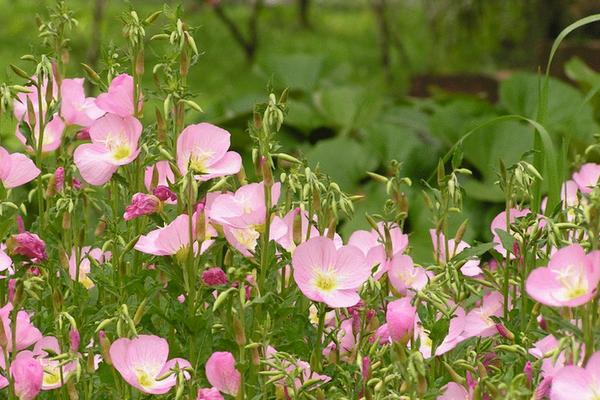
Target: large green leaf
344 159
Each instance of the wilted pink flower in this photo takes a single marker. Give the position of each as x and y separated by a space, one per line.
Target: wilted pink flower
29 245
53 131
27 374
142 360
181 299
74 339
141 204
16 169
404 276
119 98
209 394
587 177
75 108
164 193
569 280
329 275
400 318
221 373
55 374
214 276
454 391
478 321
84 264
114 143
583 383
76 183
26 333
203 148
470 268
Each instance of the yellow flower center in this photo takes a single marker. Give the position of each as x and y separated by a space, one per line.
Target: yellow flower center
121 152
144 378
246 237
199 159
51 376
574 282
325 281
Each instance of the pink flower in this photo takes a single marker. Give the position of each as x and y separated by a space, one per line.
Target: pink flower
114 143
29 245
214 276
400 318
142 360
244 208
587 177
16 169
204 149
52 368
53 131
470 268
371 244
329 275
20 103
454 391
119 99
221 373
75 108
84 264
27 373
141 204
499 222
572 382
161 173
569 280
26 333
455 332
404 275
209 394
478 321
168 240
543 349
346 341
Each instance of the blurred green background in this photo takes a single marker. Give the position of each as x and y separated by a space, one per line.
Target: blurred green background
369 80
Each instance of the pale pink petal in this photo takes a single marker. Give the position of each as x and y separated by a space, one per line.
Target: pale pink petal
91 161
21 171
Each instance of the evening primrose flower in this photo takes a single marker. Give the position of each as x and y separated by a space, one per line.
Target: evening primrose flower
569 280
75 108
16 169
119 98
576 382
142 362
114 143
222 374
404 276
329 275
203 148
587 177
400 318
55 374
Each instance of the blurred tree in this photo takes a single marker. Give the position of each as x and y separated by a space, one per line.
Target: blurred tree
248 42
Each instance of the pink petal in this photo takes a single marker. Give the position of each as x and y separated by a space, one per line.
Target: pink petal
91 160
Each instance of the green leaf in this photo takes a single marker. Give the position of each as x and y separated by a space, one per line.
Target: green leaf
343 159
506 239
473 251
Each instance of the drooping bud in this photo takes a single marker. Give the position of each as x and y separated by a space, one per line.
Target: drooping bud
105 346
504 332
59 179
164 193
74 340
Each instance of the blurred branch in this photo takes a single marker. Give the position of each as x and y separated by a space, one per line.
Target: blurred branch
380 9
96 39
248 44
304 13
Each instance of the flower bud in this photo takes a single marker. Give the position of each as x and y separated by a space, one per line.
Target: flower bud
105 347
214 277
29 245
74 340
164 193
